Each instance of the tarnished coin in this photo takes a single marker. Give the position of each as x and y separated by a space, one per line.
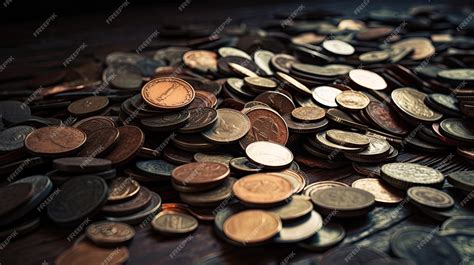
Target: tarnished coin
236 85
406 175
13 196
213 157
166 122
338 47
55 141
260 84
167 93
128 144
458 75
374 56
231 126
423 48
88 253
210 197
442 102
268 154
199 119
262 189
155 168
293 83
282 62
201 60
411 102
109 233
459 223
386 118
144 214
81 164
339 256
367 79
462 180
308 114
328 71
304 127
343 201
13 138
99 142
322 142
330 235
320 185
91 124
252 226
430 197
231 51
172 223
383 193
326 95
352 100
459 129
297 207
203 99
277 101
122 188
88 106
200 173
131 206
346 138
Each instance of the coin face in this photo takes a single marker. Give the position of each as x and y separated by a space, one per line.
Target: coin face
201 60
231 126
343 198
252 226
411 102
200 173
386 118
320 185
210 197
122 188
326 95
277 101
352 100
338 47
430 197
283 62
367 79
54 140
404 175
127 207
167 93
172 222
91 124
462 179
13 138
308 114
459 129
262 188
345 138
99 142
297 207
269 154
128 144
109 233
260 83
383 193
88 106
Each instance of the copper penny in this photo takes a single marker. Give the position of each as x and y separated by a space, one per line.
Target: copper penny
109 233
277 101
200 173
94 123
99 142
131 206
386 118
308 114
265 125
203 99
201 60
122 188
167 93
252 226
383 192
352 100
88 106
87 253
13 196
128 144
261 189
55 141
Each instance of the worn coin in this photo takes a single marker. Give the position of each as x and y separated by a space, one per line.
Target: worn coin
109 233
88 253
282 62
210 197
252 226
322 142
55 141
243 165
277 101
260 84
144 214
171 222
459 223
459 129
91 124
99 142
352 100
345 200
423 48
203 99
88 106
406 175
81 164
383 193
131 206
128 144
13 196
374 56
320 185
213 157
346 138
308 114
201 60
297 207
462 179
330 235
13 138
166 122
122 188
200 173
304 127
411 102
268 154
430 197
367 79
155 168
231 126
167 93
14 111
262 189
326 95
199 119
386 118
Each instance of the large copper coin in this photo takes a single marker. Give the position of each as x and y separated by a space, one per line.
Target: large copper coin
88 253
386 118
99 142
13 196
109 233
94 123
200 173
252 226
131 206
128 144
268 154
383 192
167 93
201 60
266 125
199 119
412 103
262 189
88 106
277 101
122 188
55 141
367 79
231 126
430 197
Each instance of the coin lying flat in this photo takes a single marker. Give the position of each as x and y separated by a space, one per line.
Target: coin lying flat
406 175
345 138
352 100
201 60
320 185
199 120
155 168
210 197
330 235
55 140
374 56
99 142
423 48
252 226
297 207
200 173
383 193
462 179
122 188
260 84
367 79
461 130
109 233
308 114
343 201
430 197
128 144
138 217
411 102
326 95
171 222
268 154
231 126
87 253
13 138
338 47
94 123
262 189
459 223
167 93
213 157
457 74
88 106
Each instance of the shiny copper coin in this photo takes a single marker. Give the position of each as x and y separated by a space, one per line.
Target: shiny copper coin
94 123
88 106
308 114
200 173
122 188
262 189
128 144
109 233
252 226
55 141
201 60
383 192
266 125
87 253
231 126
167 93
99 142
352 100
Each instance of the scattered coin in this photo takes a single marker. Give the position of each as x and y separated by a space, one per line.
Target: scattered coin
338 47
326 95
367 79
461 130
352 100
109 233
294 209
88 106
462 179
13 138
268 154
87 253
201 60
131 206
252 226
13 196
339 255
411 102
200 173
122 188
262 189
301 229
81 164
406 175
308 114
231 126
55 141
170 223
459 223
430 197
128 144
167 93
343 201
330 235
345 138
383 193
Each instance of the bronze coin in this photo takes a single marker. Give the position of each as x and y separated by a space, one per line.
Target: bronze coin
262 189
55 141
81 164
88 253
99 142
128 144
252 226
199 120
165 122
201 60
386 118
430 197
109 233
200 173
122 188
277 101
131 206
167 93
203 99
94 123
308 114
13 196
88 106
176 155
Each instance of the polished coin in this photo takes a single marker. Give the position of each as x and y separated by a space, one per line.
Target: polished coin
423 48
297 207
383 193
213 157
330 235
13 138
230 51
88 253
461 130
293 83
345 138
242 164
326 95
406 175
13 196
308 114
92 124
210 197
457 75
99 142
338 47
88 106
386 118
252 226
430 197
231 125
128 144
321 185
81 164
262 189
131 206
167 93
367 79
55 141
338 256
374 56
268 154
411 102
260 84
171 223
200 173
300 229
462 179
352 100
122 188
109 233
201 60
199 120
346 201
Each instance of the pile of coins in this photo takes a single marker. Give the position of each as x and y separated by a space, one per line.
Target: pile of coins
230 129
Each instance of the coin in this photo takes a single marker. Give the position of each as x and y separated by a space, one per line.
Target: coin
367 79
230 51
430 197
99 142
352 100
383 193
308 114
242 164
213 157
210 197
386 118
13 111
294 209
343 201
203 99
131 206
94 123
346 138
330 235
262 59
252 226
55 141
199 120
87 253
459 129
293 83
201 60
128 144
423 48
326 95
457 74
277 101
411 102
296 178
262 189
282 62
338 47
241 70
236 85
167 93
81 164
231 126
155 168
459 223
406 175
268 154
300 229
88 106
259 84
13 196
374 56
109 233
13 138
200 173
369 34
391 261
144 214
170 222
340 255
122 188
322 142
320 185
462 179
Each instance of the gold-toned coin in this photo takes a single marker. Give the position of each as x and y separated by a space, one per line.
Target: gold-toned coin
231 126
172 222
252 226
297 207
352 100
201 60
345 138
260 84
269 154
122 188
262 189
167 93
412 102
308 114
383 192
210 197
423 48
242 71
321 185
110 233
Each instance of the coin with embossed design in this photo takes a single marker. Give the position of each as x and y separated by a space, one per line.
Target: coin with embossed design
411 102
352 100
430 197
343 201
88 106
386 118
265 125
383 193
13 138
231 126
201 60
200 173
170 222
199 120
459 129
55 140
252 226
308 114
406 175
122 188
345 138
109 233
167 93
262 189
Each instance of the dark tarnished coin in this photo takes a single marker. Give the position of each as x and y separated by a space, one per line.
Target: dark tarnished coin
91 124
88 106
176 155
203 99
406 242
277 101
406 175
123 76
224 67
370 34
344 254
55 141
122 188
386 118
391 261
213 157
171 222
461 130
14 111
459 223
462 180
200 173
13 196
463 241
109 233
99 142
81 164
155 168
199 119
346 138
79 198
128 207
268 154
430 197
231 126
297 207
443 103
128 144
166 122
330 235
347 202
265 125
308 114
236 85
13 138
282 62
367 79
138 217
